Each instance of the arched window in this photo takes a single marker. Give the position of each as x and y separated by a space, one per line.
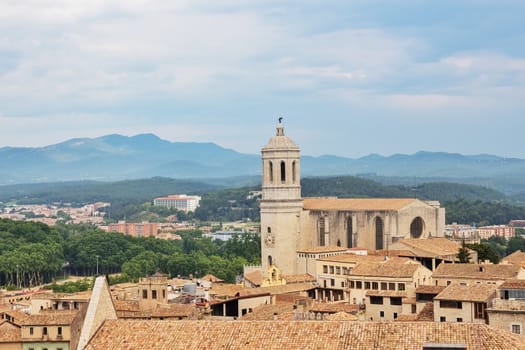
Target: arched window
416 227
270 262
270 170
379 233
322 232
269 229
350 233
294 172
283 172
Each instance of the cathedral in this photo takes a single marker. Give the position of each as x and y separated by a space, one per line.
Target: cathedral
291 223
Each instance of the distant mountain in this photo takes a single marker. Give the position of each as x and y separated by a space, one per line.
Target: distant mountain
117 157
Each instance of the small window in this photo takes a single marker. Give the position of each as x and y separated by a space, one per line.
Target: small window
516 328
332 282
269 229
352 285
343 284
375 285
383 285
153 294
442 319
144 294
163 294
31 330
44 331
337 270
395 315
459 319
381 314
367 285
400 286
325 268
59 330
331 270
391 286
359 285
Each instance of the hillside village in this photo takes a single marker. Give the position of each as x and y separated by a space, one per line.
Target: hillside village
334 274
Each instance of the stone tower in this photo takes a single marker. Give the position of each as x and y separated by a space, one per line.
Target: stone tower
281 203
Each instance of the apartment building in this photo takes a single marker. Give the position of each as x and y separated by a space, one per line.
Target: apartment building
179 202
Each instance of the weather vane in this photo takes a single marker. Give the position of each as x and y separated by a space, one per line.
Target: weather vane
280 119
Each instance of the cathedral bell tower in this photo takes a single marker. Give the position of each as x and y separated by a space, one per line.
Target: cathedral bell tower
281 203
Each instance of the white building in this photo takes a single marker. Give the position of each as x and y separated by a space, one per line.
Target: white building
178 201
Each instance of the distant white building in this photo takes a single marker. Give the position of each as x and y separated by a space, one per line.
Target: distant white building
178 201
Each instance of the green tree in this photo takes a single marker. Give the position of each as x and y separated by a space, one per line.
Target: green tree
463 254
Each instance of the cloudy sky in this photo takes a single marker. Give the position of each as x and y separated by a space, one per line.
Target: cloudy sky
349 77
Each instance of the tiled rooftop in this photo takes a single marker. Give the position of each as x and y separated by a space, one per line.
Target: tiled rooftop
299 278
282 289
9 333
267 312
340 316
212 279
255 277
322 249
429 289
356 204
173 310
387 268
386 293
50 318
430 247
291 335
477 271
475 292
352 258
516 258
334 307
513 284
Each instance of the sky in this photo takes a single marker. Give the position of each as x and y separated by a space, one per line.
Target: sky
350 78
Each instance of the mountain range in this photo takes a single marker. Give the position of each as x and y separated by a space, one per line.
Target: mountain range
115 157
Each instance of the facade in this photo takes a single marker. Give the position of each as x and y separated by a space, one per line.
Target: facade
178 201
468 232
144 229
472 274
290 223
508 310
464 303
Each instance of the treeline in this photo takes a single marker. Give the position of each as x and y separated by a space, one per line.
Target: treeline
33 253
30 253
482 213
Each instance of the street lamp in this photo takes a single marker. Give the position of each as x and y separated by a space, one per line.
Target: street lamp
97 264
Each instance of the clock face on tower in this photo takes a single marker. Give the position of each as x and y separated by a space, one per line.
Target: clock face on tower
269 240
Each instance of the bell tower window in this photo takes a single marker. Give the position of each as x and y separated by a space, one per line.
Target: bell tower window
283 172
270 170
294 172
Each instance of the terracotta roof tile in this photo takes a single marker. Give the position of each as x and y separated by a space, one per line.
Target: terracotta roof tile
334 307
254 277
9 333
386 293
387 268
299 278
341 316
50 318
475 292
513 284
356 204
434 246
279 335
322 249
268 312
429 289
212 279
477 271
353 258
516 258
